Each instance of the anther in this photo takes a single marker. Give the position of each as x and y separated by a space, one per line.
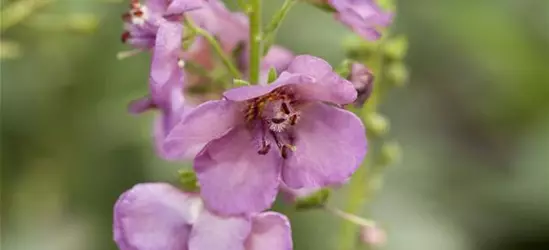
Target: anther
285 108
125 36
278 120
293 119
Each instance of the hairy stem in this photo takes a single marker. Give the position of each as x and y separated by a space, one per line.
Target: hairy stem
360 193
255 40
216 46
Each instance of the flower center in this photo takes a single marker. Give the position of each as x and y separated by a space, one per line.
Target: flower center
275 114
137 14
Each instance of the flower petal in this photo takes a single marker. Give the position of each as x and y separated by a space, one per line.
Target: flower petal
154 216
328 87
310 65
164 66
206 122
253 91
219 233
330 145
178 7
234 178
270 231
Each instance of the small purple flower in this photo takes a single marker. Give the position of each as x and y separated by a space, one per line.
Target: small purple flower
166 83
363 81
157 216
258 135
141 22
364 17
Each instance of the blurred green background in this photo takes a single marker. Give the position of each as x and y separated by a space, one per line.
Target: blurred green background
473 123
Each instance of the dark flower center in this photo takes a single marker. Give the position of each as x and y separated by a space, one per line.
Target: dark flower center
274 114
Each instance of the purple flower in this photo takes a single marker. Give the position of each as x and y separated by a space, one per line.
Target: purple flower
230 28
166 83
363 81
364 17
141 22
258 135
157 216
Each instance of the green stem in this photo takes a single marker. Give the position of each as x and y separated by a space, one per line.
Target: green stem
272 28
255 40
359 191
216 46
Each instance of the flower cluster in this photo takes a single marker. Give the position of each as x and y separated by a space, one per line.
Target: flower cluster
288 129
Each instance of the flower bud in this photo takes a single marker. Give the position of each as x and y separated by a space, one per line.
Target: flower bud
376 123
363 81
188 180
397 73
396 48
390 153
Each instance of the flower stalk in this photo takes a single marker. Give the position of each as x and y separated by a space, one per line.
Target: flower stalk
225 59
256 40
359 194
272 28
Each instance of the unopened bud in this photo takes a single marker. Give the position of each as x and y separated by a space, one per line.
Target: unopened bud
363 81
390 153
188 181
357 49
397 73
396 48
377 124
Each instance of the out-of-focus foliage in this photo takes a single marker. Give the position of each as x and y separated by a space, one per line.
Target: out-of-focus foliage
473 122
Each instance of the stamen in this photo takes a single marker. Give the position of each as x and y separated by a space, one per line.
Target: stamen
265 149
278 120
285 108
283 153
125 36
293 119
127 17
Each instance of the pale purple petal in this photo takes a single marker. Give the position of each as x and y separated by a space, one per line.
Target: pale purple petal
330 145
234 178
278 57
328 87
206 122
156 7
178 7
154 216
213 232
310 65
253 91
270 231
164 65
364 17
